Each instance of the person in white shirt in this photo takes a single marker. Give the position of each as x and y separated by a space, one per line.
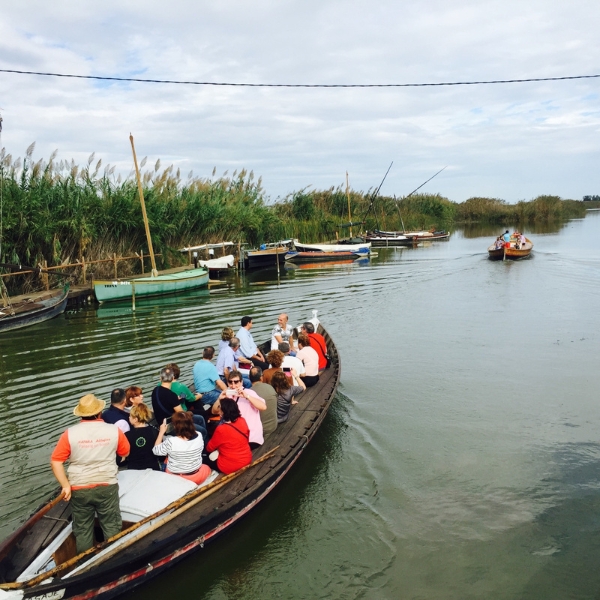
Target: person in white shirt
292 362
310 358
247 346
281 332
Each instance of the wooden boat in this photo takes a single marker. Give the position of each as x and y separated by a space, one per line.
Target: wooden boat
268 255
332 247
160 285
405 238
512 252
218 266
325 256
30 312
155 285
38 561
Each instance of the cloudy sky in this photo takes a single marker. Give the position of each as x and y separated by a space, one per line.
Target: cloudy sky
512 141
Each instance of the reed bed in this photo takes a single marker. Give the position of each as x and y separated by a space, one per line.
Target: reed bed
59 212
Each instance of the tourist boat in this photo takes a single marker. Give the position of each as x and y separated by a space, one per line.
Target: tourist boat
32 311
268 255
512 252
339 247
319 256
159 285
405 238
166 518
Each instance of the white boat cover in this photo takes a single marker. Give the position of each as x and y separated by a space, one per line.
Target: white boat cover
223 262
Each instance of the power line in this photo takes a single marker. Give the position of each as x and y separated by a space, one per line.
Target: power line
300 85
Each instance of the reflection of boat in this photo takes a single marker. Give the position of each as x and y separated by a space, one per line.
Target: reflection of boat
343 247
159 285
155 285
405 238
325 256
267 255
363 260
166 518
32 311
510 252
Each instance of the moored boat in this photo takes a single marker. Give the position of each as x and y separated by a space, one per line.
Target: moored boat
268 255
160 285
514 251
332 247
165 520
405 238
29 312
320 256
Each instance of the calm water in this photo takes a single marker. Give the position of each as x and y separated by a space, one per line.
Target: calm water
461 457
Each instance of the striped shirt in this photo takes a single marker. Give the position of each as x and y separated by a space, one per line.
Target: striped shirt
185 456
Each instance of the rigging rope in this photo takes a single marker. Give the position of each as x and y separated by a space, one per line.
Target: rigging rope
301 85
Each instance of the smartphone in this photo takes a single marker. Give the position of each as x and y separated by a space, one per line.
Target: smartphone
287 369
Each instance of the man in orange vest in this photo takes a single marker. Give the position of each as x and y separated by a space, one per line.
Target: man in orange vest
91 448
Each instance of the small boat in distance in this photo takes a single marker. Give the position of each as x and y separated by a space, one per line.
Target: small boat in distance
32 311
514 251
268 255
381 239
344 247
320 256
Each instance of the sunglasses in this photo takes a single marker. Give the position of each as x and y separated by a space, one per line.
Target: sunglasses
234 381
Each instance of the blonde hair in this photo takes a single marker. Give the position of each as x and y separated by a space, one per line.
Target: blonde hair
141 412
226 334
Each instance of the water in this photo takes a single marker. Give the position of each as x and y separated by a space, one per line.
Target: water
460 459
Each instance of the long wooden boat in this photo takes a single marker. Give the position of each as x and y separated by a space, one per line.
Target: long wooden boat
326 256
268 255
30 312
512 252
381 239
38 561
123 289
332 247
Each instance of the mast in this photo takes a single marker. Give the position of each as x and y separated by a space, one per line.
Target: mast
348 196
141 192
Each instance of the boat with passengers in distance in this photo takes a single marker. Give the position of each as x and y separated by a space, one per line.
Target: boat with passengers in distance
514 251
31 311
165 517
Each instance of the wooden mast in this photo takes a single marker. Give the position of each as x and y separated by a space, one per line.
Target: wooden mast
348 196
141 192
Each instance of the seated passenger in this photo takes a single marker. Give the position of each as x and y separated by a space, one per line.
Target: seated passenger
267 393
250 405
133 396
141 438
206 377
281 332
285 394
291 361
183 392
317 341
166 403
226 336
228 361
275 358
310 358
231 439
116 413
183 450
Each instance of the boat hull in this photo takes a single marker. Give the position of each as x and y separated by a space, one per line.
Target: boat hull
109 291
332 247
323 256
257 259
50 308
383 239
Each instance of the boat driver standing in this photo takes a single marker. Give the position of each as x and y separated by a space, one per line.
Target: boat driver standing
91 447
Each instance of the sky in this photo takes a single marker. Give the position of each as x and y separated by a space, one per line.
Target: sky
511 141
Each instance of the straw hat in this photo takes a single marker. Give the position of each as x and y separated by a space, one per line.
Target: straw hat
89 406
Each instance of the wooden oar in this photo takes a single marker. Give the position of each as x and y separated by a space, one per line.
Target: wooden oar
195 496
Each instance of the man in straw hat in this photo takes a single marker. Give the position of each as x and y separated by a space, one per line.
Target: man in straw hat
90 447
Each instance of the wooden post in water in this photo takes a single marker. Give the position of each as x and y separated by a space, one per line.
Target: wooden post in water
44 276
83 269
115 264
144 215
133 295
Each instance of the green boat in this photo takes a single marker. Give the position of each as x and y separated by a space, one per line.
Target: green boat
107 291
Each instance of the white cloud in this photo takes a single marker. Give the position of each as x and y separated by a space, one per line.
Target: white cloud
512 141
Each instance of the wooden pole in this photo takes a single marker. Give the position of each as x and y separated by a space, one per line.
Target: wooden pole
83 269
142 260
133 295
44 275
348 196
115 264
144 215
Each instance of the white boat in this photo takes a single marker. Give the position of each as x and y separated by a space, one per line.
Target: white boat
332 247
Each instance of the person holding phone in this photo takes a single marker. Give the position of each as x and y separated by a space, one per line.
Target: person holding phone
286 393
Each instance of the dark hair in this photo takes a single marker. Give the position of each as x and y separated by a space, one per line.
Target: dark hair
233 373
304 340
284 347
208 352
230 410
255 374
246 320
183 424
117 396
308 327
131 392
176 370
275 358
280 382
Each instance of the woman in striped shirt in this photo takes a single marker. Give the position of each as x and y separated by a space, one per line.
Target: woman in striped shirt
183 450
